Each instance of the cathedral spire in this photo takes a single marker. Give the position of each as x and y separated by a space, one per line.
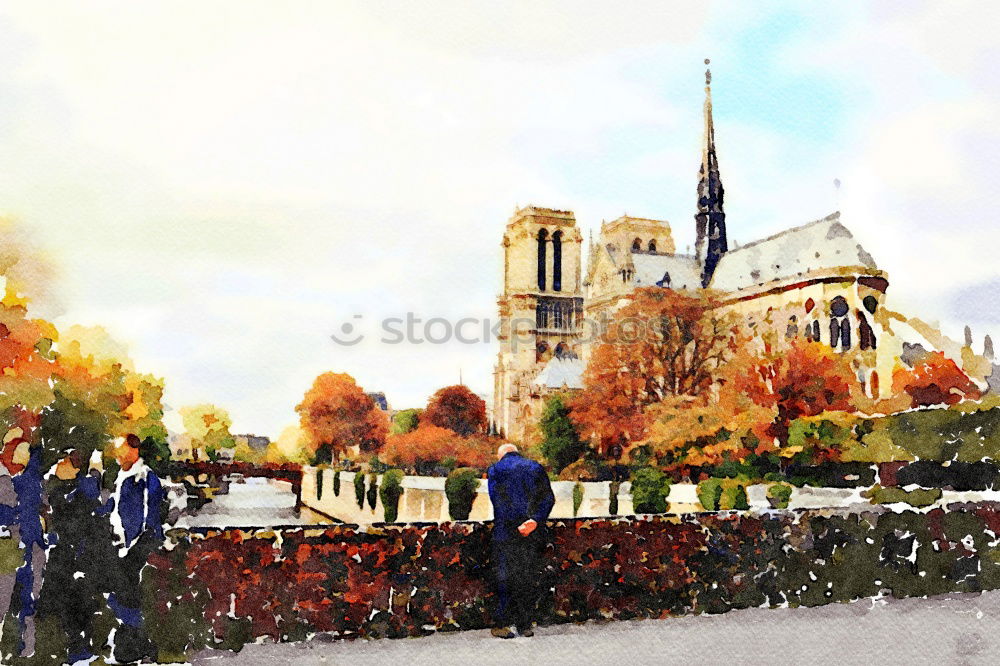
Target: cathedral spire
710 220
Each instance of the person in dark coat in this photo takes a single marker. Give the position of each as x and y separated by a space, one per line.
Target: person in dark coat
80 556
23 518
136 516
522 500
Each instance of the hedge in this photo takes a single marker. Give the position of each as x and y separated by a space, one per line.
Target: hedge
650 487
390 491
917 498
359 489
460 487
716 494
577 497
778 495
410 580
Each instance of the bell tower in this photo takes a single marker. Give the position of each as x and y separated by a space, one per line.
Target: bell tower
540 309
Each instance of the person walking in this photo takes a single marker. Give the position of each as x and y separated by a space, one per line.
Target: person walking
522 500
136 518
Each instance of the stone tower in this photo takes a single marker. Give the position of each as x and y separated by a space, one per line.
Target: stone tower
710 220
541 309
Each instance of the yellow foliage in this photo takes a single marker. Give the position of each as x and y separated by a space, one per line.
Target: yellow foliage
92 348
292 445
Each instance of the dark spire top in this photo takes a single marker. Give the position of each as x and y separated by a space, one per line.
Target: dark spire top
710 220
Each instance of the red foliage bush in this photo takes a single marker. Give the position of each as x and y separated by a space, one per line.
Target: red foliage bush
934 380
407 580
434 445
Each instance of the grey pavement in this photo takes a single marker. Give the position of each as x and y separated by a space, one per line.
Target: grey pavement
958 629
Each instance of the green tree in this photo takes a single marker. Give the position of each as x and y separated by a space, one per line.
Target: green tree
561 443
208 426
405 421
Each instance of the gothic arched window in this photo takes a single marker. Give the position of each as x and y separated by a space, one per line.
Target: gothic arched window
557 261
792 329
870 303
866 336
840 326
637 245
652 246
543 236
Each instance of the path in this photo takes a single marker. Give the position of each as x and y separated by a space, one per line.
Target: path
960 629
256 502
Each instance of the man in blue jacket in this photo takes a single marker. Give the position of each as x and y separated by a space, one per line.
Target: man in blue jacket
136 519
522 500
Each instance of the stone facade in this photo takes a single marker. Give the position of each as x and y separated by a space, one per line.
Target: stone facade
541 309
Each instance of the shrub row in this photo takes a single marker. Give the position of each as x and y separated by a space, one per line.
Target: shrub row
716 494
228 588
917 498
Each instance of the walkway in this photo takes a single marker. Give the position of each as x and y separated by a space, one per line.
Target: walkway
961 629
254 503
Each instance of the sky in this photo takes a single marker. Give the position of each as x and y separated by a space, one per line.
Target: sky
225 185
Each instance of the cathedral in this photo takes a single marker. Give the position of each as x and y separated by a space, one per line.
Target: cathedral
813 280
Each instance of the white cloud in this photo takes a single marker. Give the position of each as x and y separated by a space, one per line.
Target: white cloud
223 185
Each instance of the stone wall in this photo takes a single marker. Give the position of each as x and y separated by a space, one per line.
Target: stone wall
424 500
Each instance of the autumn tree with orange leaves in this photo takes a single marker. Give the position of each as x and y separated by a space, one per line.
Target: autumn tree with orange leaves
934 380
337 416
804 379
661 344
431 446
458 409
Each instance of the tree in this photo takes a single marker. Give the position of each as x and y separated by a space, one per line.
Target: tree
458 409
291 446
78 390
805 379
208 426
246 453
818 439
663 343
27 360
934 380
338 416
143 417
707 430
98 391
561 444
405 421
650 488
431 446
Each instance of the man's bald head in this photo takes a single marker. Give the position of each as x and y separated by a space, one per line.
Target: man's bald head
505 449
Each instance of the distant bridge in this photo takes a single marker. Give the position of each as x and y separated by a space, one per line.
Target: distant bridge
204 479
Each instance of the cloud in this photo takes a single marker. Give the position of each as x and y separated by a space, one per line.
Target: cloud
224 185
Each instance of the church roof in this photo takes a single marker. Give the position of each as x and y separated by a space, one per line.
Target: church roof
821 245
681 270
561 372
